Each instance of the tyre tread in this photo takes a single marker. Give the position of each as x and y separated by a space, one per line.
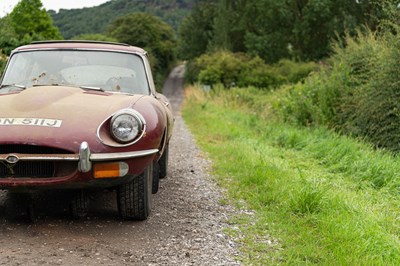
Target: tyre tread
79 205
132 198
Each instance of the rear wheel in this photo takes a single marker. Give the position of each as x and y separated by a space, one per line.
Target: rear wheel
79 204
163 163
156 177
135 197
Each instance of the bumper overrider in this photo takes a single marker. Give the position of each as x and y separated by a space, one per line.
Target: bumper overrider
86 158
106 165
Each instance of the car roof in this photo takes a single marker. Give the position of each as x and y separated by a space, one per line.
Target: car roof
89 45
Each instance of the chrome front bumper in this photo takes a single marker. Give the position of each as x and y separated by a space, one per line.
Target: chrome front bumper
84 158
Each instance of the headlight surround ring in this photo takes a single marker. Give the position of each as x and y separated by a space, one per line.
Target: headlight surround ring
126 126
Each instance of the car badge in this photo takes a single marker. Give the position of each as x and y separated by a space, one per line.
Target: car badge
12 159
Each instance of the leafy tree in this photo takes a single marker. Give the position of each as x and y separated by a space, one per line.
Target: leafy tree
306 28
73 22
8 37
30 21
27 22
8 41
228 26
271 29
196 31
152 34
268 30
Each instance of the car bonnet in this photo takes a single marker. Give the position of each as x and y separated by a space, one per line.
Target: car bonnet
57 116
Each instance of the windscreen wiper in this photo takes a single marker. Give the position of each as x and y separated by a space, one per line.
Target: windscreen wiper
12 85
91 88
44 85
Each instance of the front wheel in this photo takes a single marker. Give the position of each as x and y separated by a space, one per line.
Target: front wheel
135 197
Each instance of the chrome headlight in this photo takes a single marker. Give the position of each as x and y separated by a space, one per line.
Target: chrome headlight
126 125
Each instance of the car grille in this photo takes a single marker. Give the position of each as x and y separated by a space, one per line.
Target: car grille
30 149
28 169
34 169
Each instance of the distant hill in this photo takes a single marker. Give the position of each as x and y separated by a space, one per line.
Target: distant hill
72 22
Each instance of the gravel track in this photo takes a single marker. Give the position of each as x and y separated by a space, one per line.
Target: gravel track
184 228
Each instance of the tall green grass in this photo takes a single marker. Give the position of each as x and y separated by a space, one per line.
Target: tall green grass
318 197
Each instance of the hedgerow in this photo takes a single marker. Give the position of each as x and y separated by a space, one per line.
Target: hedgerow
359 94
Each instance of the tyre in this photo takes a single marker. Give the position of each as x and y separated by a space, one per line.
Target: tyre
156 177
135 197
79 205
163 163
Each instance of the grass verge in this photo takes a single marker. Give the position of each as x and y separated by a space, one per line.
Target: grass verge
318 198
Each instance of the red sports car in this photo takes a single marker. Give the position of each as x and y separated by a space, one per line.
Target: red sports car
79 115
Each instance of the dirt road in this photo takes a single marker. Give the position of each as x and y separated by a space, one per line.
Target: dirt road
184 228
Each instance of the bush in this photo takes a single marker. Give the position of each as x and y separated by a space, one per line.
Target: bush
221 67
257 74
294 72
238 69
377 112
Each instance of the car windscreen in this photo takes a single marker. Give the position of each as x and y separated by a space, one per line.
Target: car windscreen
109 71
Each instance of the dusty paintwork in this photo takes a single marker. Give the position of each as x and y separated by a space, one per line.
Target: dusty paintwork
81 113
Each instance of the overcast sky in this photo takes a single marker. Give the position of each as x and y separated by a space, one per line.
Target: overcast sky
6 6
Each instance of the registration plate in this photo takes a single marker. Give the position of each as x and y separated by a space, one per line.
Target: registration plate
40 122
